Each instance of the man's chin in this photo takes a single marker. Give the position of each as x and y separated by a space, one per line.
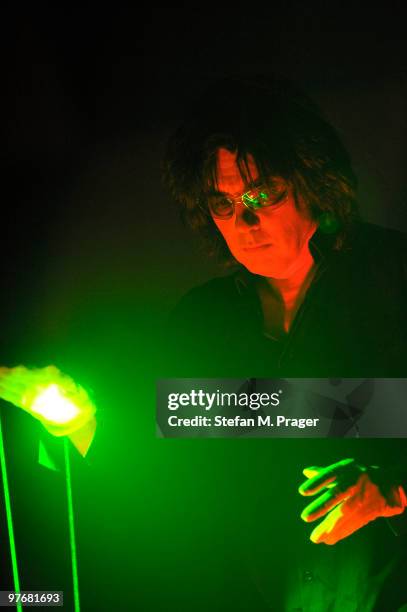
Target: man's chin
266 269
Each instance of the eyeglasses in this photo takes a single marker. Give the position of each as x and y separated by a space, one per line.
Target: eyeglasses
262 196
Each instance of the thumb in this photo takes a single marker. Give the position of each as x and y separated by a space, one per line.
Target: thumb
311 471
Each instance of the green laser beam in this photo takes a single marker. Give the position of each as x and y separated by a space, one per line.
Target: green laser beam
74 561
9 518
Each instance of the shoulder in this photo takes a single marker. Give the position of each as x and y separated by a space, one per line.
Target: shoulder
379 251
377 269
375 239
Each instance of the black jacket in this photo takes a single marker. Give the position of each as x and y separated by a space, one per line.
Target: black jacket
352 323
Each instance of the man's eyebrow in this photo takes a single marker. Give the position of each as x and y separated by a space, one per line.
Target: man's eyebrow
251 185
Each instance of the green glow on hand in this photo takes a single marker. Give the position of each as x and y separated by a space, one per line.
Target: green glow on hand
54 407
50 396
62 406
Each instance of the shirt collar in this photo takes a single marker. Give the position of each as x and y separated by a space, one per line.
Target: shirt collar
321 246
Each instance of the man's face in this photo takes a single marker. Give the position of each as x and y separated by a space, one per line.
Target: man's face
270 241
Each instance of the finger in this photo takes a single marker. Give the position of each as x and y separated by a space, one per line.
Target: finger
309 472
325 477
328 485
340 523
316 483
323 504
330 530
12 392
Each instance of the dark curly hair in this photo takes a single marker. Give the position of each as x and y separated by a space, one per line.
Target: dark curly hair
269 118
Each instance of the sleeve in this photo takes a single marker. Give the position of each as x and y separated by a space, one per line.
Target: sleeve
398 476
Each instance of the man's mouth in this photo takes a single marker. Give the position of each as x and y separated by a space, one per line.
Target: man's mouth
256 247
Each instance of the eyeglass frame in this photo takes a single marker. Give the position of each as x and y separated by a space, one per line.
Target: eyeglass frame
243 199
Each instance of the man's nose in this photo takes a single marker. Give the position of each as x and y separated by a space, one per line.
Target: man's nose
246 219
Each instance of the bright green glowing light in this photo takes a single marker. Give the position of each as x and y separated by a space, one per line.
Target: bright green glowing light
54 407
50 396
61 408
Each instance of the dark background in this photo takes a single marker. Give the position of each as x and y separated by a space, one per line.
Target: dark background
92 94
93 256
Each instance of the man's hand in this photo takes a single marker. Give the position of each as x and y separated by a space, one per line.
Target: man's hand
352 495
18 384
50 396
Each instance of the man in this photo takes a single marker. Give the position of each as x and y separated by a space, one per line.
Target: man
314 292
267 183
